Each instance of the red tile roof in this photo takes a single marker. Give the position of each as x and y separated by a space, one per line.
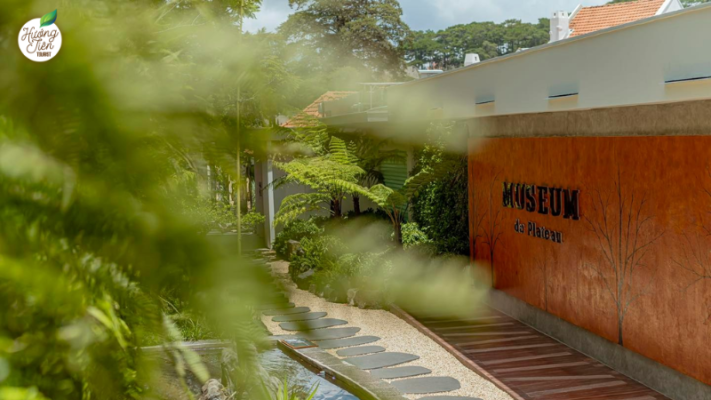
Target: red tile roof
591 19
306 117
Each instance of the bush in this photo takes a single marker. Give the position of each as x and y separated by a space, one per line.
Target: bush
441 210
295 230
412 236
251 221
318 253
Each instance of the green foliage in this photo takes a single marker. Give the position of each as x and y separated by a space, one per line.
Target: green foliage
319 253
412 236
283 392
395 202
381 272
101 154
441 207
197 205
189 321
295 230
446 48
366 35
252 220
329 171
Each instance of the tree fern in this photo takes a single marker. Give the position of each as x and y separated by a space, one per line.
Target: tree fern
338 151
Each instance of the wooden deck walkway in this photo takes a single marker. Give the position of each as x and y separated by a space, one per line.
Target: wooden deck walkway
531 364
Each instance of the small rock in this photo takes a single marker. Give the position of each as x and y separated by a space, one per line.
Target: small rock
213 390
306 274
368 299
351 296
326 292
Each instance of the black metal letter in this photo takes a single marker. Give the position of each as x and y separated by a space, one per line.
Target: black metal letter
542 192
572 208
508 195
530 198
555 201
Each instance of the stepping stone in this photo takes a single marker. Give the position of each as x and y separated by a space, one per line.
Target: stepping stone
399 372
381 360
359 351
350 342
299 317
449 398
287 311
429 384
327 334
312 325
306 274
275 306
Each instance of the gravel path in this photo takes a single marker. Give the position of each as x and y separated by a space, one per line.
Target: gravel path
396 336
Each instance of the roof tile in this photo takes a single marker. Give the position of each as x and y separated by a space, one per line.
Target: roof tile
305 118
591 19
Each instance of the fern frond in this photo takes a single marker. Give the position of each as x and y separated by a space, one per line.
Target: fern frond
386 197
297 204
417 182
338 151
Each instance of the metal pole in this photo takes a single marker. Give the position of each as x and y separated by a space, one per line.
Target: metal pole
238 192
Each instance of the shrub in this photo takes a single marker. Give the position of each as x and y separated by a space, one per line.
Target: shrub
412 236
318 253
441 210
251 221
295 230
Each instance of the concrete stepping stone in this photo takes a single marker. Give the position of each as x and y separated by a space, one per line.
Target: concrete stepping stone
299 317
399 372
381 360
449 398
359 351
429 384
275 306
312 325
350 342
287 311
327 334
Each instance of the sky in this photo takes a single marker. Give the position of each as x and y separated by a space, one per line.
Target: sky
439 14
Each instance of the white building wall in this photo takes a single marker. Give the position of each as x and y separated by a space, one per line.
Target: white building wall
621 66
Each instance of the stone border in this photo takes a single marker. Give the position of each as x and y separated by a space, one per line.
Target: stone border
348 376
201 345
650 373
402 314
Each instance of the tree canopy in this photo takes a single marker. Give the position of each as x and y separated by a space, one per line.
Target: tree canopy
333 45
445 49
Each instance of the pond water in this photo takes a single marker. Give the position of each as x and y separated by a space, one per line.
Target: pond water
301 378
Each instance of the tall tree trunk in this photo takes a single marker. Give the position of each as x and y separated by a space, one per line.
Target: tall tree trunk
356 205
336 207
397 228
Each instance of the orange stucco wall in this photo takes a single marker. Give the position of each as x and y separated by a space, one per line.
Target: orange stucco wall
640 252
